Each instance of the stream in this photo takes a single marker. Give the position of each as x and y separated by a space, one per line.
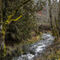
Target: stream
38 48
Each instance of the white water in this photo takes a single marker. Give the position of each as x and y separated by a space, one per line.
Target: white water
37 48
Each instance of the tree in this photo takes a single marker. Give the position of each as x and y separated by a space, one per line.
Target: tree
53 13
11 12
59 16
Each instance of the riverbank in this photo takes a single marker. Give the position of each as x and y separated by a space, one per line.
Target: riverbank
24 47
20 48
37 49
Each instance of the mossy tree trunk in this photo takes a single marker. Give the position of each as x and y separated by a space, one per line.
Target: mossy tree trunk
2 28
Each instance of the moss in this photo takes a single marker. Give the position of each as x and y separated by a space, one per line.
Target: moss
5 50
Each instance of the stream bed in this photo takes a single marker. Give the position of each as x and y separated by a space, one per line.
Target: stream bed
38 48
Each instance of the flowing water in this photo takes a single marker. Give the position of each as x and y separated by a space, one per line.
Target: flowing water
37 48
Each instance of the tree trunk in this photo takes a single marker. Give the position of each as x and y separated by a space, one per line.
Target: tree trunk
59 17
50 13
2 34
53 13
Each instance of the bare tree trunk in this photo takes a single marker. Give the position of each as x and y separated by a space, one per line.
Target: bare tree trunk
1 18
50 13
55 18
53 13
59 16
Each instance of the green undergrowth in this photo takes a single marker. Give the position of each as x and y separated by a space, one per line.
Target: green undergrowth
23 45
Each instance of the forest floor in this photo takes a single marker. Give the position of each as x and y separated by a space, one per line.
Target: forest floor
18 47
51 53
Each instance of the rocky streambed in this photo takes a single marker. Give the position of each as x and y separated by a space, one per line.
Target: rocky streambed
37 49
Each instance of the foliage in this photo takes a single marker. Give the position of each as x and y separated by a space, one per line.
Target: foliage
40 5
20 30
